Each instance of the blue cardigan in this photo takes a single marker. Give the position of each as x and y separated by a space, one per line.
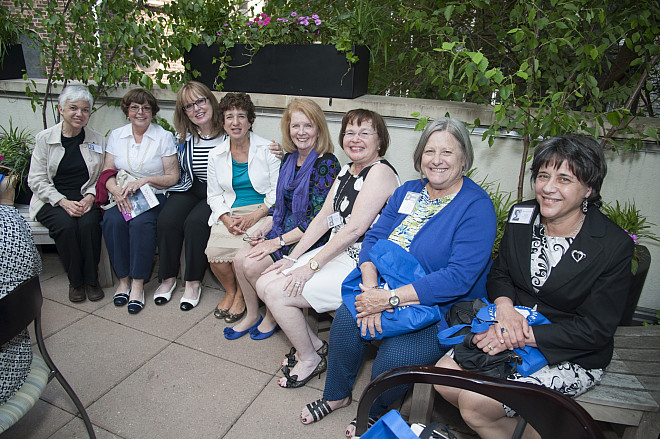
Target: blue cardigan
454 246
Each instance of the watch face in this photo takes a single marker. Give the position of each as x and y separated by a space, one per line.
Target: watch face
282 243
313 264
394 300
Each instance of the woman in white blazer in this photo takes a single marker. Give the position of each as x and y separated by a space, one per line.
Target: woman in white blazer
242 179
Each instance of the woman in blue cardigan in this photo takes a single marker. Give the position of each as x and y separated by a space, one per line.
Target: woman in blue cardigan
444 220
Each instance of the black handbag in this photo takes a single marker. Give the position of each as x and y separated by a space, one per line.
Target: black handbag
471 358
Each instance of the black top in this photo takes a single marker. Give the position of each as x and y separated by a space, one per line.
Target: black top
72 173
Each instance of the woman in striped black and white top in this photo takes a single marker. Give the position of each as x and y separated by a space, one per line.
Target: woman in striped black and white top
199 128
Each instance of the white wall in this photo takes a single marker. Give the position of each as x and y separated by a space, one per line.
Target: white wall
631 175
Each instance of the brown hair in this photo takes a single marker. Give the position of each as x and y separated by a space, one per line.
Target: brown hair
139 96
361 115
313 112
182 122
240 101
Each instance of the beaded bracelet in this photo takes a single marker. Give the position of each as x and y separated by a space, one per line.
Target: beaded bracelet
289 258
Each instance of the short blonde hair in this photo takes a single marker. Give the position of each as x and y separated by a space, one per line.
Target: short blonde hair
313 112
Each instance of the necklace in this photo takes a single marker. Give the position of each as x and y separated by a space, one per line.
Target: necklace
144 155
575 232
204 137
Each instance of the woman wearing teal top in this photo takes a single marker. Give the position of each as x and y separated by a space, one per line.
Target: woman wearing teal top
242 180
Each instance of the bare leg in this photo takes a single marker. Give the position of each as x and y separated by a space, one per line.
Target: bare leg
484 415
288 313
165 285
137 287
248 270
225 274
192 289
124 285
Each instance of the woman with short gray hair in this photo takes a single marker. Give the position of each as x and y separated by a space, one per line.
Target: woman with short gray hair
66 162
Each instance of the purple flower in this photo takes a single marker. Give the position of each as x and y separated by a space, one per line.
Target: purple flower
294 14
315 17
304 22
317 22
284 20
2 158
219 34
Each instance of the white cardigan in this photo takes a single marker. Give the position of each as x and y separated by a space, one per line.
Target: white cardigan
263 170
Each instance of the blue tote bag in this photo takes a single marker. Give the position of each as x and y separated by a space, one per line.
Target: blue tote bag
396 268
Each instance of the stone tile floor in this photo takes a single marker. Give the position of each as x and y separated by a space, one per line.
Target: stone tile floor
165 373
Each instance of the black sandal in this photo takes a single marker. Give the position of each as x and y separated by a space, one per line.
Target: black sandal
320 408
370 423
291 356
292 381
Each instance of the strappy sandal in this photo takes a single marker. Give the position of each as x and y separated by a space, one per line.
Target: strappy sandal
292 381
291 356
370 423
320 408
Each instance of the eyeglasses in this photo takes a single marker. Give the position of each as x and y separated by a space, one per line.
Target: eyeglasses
249 238
199 102
364 135
137 108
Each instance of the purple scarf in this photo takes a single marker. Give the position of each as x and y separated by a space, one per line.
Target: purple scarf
299 183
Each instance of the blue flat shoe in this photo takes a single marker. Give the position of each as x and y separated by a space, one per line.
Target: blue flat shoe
121 299
255 334
230 334
135 306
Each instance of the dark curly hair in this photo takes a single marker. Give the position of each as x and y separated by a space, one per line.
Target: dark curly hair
239 101
139 96
583 155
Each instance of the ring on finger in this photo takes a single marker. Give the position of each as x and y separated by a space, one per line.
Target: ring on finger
490 347
504 330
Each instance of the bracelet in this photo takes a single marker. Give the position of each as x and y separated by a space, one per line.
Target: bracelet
289 258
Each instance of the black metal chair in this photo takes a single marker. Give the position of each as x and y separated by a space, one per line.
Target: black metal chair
552 414
17 310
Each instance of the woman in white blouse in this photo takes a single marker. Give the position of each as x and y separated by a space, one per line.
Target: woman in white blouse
242 180
147 153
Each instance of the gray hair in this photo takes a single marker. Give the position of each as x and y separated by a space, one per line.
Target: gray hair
74 93
457 129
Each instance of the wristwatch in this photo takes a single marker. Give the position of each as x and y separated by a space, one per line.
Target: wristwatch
394 300
314 265
282 243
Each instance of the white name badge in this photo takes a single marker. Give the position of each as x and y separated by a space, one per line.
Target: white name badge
334 220
521 215
408 203
94 147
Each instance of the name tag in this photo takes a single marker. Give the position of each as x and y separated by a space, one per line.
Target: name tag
521 215
408 203
334 220
94 147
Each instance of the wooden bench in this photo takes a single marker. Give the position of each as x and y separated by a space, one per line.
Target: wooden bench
628 394
41 237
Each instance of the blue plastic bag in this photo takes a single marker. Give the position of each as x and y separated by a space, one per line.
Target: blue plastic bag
390 426
396 268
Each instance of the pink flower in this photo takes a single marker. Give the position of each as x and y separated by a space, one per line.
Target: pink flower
317 22
2 158
294 14
315 17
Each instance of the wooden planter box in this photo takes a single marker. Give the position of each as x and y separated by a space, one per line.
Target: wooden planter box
13 63
289 69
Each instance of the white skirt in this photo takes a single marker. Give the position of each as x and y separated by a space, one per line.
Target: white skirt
323 290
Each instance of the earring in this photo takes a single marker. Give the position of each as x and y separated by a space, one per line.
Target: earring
585 204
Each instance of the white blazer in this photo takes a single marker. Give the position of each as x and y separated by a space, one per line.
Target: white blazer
263 170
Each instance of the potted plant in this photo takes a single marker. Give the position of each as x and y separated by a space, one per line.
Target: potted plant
261 54
12 63
630 219
16 151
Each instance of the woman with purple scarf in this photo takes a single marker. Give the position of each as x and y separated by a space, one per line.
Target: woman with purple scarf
308 170
311 278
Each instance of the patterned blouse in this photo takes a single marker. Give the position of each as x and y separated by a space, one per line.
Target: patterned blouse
424 210
547 251
323 175
19 261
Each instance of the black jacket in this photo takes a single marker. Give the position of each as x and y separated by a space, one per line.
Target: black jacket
585 295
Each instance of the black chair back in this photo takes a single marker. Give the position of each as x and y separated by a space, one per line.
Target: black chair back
552 414
19 308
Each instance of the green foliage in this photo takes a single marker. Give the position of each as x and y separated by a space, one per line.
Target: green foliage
503 202
657 318
630 219
100 44
547 67
10 30
16 151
